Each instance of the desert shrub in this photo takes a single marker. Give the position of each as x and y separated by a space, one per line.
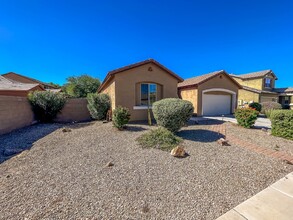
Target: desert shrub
267 107
282 123
98 105
246 117
256 106
160 138
172 113
46 105
120 117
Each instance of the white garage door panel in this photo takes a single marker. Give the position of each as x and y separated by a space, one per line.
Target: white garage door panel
216 104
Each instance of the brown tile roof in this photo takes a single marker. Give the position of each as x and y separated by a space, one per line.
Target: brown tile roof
195 81
284 90
119 70
258 91
6 75
6 84
253 75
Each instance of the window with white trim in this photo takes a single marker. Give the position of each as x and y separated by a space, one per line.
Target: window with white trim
268 82
148 94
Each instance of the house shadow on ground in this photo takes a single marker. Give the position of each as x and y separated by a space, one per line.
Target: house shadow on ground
15 142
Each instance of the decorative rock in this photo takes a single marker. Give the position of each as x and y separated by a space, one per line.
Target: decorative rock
66 130
178 152
110 164
223 142
10 152
264 130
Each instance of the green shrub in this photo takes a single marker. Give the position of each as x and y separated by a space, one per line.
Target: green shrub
160 138
98 105
172 113
46 105
267 107
246 117
282 123
120 117
256 106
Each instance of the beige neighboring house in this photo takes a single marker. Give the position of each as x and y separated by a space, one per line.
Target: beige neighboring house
260 87
24 79
214 93
13 88
139 85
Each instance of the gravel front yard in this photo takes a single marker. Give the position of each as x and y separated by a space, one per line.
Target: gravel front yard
64 175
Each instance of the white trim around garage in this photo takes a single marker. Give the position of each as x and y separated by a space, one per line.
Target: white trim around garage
234 98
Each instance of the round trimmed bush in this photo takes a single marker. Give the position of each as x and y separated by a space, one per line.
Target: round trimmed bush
256 106
98 105
246 117
268 107
172 113
46 104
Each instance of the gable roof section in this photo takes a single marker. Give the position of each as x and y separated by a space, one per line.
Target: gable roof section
284 90
6 75
195 81
9 85
131 66
254 75
258 91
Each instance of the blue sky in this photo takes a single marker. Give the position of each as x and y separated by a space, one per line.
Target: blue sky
52 40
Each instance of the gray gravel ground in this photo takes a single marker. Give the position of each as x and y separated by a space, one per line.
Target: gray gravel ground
64 176
261 138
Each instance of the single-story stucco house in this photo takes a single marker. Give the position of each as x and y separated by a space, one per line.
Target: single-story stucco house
13 88
138 85
214 93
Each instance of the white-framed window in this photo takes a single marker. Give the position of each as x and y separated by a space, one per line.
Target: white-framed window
148 94
268 82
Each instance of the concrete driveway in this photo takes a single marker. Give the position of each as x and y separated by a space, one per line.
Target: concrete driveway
261 122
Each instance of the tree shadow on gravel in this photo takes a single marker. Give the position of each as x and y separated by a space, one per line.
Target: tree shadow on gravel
15 142
200 135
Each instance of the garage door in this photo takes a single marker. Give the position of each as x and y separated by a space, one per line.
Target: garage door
216 104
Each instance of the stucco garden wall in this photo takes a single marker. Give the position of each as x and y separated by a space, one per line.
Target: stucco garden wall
15 112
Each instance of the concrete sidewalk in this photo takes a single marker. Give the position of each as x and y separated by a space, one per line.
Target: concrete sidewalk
260 122
273 203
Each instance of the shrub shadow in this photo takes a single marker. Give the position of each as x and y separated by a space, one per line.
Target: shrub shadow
134 128
200 135
23 139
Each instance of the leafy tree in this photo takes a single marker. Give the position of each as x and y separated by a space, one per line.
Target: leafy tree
81 86
57 86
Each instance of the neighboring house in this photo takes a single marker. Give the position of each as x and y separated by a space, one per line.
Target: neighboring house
139 85
12 88
24 79
211 94
260 87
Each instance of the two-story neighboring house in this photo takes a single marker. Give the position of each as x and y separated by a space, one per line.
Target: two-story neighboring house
260 87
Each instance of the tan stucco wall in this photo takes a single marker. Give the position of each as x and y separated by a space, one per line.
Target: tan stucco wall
190 94
15 112
222 82
268 98
125 87
110 90
253 83
74 110
247 96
